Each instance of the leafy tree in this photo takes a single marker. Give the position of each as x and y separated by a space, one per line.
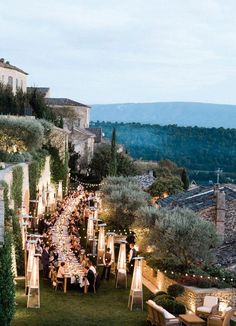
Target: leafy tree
185 179
113 160
168 184
7 287
101 162
181 235
122 197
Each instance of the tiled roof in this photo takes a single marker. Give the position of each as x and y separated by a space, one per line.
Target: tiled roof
84 132
41 90
97 132
9 66
197 199
63 102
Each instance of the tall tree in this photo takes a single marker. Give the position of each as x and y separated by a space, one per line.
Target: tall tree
113 162
7 287
185 179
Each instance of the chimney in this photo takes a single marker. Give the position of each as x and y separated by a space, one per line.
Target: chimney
220 213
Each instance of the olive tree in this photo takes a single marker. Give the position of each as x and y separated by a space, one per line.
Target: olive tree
179 234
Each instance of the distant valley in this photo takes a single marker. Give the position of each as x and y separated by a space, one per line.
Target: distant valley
166 113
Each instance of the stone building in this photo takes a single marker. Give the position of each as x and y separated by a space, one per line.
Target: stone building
76 118
10 75
216 204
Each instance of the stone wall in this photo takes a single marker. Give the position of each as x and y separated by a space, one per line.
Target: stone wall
193 297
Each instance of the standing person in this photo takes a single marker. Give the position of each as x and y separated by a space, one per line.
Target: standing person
107 261
45 261
132 255
91 276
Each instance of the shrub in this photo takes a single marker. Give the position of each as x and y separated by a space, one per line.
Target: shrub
172 306
162 297
175 290
160 293
17 158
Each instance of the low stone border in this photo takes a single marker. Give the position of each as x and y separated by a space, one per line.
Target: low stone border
192 297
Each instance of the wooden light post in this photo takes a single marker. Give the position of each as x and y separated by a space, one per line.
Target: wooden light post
34 292
111 245
121 272
101 243
136 290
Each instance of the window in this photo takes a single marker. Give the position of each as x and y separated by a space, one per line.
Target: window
78 122
17 85
21 84
10 81
2 78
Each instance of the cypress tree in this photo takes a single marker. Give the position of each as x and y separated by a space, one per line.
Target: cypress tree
185 179
113 162
7 287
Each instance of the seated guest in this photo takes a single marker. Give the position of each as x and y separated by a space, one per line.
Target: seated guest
61 272
83 260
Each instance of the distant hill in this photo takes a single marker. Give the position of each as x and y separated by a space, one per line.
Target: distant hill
165 113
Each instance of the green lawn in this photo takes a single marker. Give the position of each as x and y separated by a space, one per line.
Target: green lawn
107 307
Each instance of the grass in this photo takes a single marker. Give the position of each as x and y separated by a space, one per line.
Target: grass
107 307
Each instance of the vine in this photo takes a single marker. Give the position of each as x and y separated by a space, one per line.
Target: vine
35 170
17 184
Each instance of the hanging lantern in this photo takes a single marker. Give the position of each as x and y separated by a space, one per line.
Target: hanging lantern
111 245
136 290
121 273
101 244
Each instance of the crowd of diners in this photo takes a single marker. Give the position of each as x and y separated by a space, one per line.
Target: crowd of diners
50 263
55 269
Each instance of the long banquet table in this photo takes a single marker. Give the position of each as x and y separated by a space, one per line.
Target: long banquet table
61 240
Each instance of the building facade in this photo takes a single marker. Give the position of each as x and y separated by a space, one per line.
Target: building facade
12 76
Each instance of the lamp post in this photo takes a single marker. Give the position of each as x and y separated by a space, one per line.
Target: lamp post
111 245
136 290
101 243
33 300
91 241
121 273
60 191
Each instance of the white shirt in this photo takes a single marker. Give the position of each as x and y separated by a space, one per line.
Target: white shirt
130 255
93 269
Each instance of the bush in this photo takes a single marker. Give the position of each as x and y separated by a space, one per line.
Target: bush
160 293
175 290
162 297
16 158
172 306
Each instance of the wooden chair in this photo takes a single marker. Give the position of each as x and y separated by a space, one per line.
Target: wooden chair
221 320
55 282
210 305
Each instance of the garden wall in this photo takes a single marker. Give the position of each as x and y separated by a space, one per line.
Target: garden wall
193 297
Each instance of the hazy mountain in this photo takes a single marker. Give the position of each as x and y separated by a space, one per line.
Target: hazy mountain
164 113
